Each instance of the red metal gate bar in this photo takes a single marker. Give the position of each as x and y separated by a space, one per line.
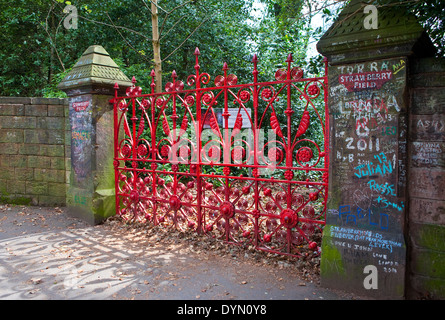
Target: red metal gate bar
181 160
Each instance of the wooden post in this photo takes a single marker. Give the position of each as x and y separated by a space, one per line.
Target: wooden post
156 46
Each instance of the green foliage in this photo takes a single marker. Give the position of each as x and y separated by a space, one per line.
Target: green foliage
431 14
50 90
36 49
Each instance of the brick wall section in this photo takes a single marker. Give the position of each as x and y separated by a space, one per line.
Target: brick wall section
426 180
33 139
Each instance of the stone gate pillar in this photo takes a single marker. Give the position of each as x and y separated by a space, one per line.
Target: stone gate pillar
89 86
364 248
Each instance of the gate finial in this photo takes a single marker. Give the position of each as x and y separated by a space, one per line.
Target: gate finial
255 70
289 58
197 53
153 84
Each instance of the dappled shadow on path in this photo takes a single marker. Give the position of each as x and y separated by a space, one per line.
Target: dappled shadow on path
85 263
45 254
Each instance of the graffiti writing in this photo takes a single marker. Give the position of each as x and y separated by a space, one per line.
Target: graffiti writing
374 239
398 66
352 217
383 167
431 125
428 153
81 106
389 204
80 135
384 188
389 131
367 80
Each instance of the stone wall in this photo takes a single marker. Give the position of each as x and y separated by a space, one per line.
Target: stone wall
34 150
426 181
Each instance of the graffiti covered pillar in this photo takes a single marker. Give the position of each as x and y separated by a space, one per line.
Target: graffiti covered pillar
368 50
89 86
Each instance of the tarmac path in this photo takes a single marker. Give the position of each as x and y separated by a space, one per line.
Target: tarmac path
47 255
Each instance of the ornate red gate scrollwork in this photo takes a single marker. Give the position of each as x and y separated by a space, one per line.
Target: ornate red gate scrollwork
247 163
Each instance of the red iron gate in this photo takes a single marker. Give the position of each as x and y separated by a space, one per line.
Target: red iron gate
247 163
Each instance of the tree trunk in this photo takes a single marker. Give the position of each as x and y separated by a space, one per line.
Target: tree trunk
156 46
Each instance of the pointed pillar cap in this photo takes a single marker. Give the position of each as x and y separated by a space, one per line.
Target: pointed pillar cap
95 68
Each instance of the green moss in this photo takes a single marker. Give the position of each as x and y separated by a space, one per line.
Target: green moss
104 205
5 198
436 288
331 259
431 237
429 263
104 202
427 288
428 256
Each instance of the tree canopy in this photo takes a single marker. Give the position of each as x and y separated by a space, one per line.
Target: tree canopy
36 50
